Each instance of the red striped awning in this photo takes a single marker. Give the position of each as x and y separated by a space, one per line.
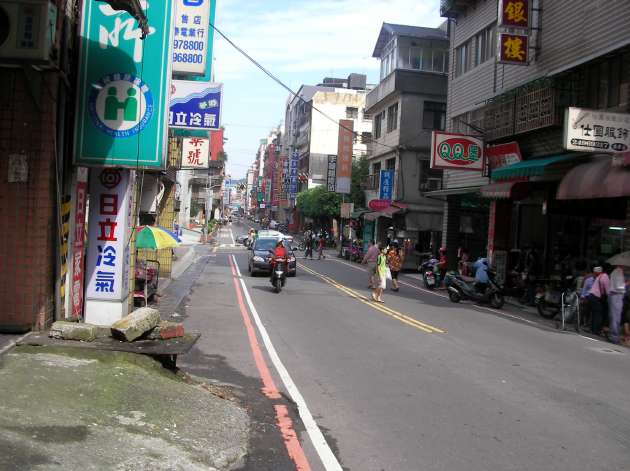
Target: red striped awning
595 179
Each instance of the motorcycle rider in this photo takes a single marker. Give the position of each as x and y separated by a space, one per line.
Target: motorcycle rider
481 275
279 253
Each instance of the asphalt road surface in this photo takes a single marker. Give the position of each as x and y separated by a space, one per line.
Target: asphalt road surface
416 384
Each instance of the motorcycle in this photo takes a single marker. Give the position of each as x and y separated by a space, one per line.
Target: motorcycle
430 273
279 274
551 298
460 288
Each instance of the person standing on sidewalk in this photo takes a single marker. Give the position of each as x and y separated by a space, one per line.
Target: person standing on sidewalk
597 299
615 303
369 259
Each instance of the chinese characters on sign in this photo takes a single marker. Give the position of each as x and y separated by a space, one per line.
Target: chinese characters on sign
386 185
513 48
109 232
190 36
195 105
331 175
344 155
195 152
514 13
502 155
78 243
293 175
456 152
596 131
123 97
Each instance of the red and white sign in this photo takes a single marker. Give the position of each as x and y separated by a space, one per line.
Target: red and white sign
344 156
502 155
78 245
195 152
456 152
379 205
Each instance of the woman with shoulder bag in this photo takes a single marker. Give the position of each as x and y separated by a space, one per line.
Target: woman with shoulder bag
597 300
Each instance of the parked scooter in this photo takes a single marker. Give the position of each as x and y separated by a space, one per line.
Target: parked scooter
430 273
465 288
278 274
551 298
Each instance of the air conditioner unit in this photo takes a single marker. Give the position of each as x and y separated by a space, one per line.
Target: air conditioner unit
27 30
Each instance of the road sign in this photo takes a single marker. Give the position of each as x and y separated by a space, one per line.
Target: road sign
123 87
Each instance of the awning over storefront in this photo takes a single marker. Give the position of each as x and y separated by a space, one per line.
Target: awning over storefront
595 179
532 168
503 190
452 191
386 213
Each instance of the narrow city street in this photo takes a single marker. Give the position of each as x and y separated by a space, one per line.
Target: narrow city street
418 383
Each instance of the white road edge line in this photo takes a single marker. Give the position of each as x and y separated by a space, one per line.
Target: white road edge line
12 344
326 455
232 236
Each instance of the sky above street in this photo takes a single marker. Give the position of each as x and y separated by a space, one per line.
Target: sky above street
300 42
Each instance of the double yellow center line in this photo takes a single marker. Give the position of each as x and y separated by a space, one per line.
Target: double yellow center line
429 329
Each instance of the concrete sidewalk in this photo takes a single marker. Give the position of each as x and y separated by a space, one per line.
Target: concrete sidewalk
79 409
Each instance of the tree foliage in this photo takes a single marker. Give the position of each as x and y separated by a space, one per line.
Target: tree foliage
360 171
318 203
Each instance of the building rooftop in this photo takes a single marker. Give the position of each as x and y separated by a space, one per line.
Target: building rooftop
388 30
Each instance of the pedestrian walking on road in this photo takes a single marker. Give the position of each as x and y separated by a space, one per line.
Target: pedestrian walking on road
380 277
369 259
321 243
395 261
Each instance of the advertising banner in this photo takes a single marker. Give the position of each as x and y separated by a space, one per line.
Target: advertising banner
596 131
344 155
123 84
456 152
216 144
109 233
379 205
195 153
386 184
78 238
195 105
331 174
191 35
514 14
346 210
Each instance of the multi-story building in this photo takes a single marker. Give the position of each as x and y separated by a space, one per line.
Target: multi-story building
408 103
516 93
312 124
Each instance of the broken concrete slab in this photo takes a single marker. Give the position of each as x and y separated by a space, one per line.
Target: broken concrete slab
136 324
125 413
166 330
73 331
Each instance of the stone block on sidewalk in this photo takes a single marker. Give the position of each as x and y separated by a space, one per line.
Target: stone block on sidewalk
136 324
166 330
73 331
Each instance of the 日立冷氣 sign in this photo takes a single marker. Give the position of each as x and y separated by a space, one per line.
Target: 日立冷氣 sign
195 105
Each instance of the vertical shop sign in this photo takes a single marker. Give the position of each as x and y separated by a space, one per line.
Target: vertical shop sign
293 175
79 243
195 153
386 185
123 87
191 35
331 175
514 14
216 144
344 155
513 49
109 234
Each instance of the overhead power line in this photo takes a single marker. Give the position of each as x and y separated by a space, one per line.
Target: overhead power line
286 87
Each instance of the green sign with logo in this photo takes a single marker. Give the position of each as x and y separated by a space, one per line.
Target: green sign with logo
124 87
